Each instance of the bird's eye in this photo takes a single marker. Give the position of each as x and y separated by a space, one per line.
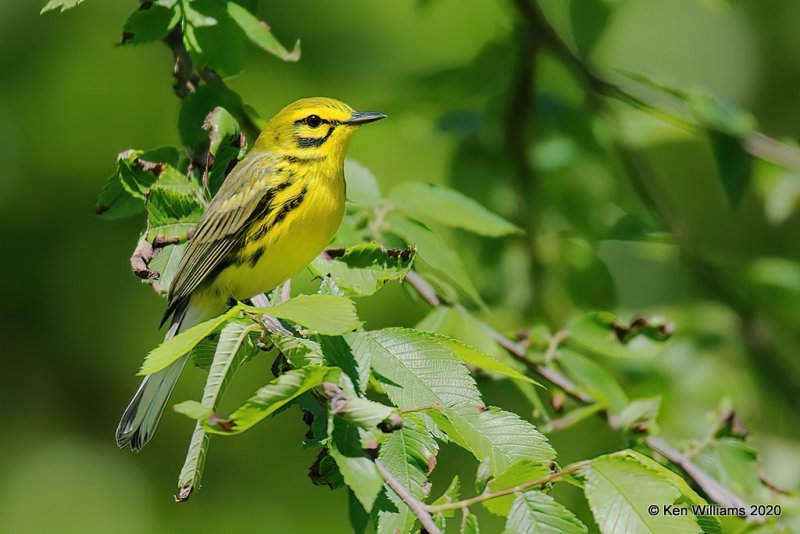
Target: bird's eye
313 121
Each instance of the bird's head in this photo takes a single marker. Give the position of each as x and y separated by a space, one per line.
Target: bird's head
314 128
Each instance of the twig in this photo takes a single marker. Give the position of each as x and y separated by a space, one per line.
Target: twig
553 343
715 491
417 506
486 495
423 288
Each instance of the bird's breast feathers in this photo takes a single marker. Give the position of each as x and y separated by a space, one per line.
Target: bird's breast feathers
302 219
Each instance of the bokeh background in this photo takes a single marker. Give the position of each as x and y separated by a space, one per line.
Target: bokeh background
75 323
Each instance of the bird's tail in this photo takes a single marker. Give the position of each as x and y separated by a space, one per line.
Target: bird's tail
141 417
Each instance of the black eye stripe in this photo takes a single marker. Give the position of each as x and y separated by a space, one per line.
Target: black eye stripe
308 142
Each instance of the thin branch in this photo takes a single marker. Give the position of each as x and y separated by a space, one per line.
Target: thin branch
417 506
715 491
486 495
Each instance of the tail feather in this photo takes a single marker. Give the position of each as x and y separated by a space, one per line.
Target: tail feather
141 417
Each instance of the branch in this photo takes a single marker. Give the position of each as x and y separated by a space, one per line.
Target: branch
713 489
486 495
417 506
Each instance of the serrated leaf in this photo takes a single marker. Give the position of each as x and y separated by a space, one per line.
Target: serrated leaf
469 524
270 398
450 495
258 33
434 251
476 358
440 205
499 436
362 186
173 348
409 454
171 213
338 353
359 471
298 350
363 269
326 314
166 262
415 371
231 352
620 488
60 4
520 472
535 512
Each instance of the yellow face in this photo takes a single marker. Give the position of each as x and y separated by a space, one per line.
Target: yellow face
314 128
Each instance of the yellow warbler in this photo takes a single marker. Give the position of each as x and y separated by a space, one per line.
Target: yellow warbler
273 215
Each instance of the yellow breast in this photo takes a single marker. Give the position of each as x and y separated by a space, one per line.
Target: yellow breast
303 219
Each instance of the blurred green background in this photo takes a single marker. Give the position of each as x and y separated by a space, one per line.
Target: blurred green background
76 324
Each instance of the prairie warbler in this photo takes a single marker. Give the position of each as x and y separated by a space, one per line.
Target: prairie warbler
274 213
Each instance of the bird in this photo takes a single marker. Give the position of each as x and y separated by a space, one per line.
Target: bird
275 212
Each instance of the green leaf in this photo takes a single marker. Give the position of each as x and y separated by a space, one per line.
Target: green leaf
358 470
734 164
469 524
415 371
172 349
196 108
588 19
64 5
410 455
620 488
365 413
434 251
326 314
298 350
212 37
151 22
450 495
537 512
171 214
231 352
359 518
603 333
258 33
270 398
476 358
640 411
338 353
363 269
437 204
362 186
520 472
499 436
593 378
734 464
124 192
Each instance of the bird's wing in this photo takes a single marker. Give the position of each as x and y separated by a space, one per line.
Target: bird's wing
245 196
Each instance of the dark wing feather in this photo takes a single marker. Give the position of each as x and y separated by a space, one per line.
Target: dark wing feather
244 197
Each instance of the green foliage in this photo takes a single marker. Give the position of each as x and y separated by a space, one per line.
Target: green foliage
396 394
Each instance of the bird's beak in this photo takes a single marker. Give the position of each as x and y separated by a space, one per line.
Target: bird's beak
363 117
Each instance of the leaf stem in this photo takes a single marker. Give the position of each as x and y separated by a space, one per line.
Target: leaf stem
417 506
486 495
